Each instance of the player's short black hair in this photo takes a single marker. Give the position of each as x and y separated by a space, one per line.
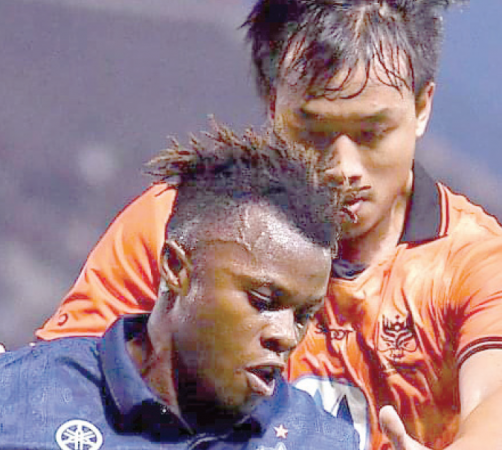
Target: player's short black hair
325 36
222 170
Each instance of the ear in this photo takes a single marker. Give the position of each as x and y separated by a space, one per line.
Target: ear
175 267
424 108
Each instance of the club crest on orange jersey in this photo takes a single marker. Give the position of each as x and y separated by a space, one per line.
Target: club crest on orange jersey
397 336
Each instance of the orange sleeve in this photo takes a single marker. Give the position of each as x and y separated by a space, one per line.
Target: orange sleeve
121 274
476 297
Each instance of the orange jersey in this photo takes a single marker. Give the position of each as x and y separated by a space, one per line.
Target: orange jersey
398 333
121 275
395 334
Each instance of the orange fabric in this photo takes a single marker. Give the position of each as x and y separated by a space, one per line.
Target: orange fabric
121 275
398 333
395 335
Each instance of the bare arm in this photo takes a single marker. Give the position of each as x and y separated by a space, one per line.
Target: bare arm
481 408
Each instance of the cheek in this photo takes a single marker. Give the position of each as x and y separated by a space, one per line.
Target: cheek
229 326
393 159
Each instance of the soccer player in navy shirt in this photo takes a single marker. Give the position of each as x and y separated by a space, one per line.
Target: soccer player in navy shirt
245 264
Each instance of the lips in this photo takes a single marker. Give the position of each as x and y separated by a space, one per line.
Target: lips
355 199
261 378
354 205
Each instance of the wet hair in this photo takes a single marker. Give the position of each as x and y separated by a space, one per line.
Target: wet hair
316 39
221 172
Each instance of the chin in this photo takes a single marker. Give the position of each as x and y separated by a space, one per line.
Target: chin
249 406
232 402
354 230
236 411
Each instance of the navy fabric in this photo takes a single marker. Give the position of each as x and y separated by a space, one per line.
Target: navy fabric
86 394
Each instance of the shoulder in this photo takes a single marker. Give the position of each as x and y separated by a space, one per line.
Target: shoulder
314 427
30 368
57 349
156 202
466 231
44 386
463 218
157 196
472 237
130 228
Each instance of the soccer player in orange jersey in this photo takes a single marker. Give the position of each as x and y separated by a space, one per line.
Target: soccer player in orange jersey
413 318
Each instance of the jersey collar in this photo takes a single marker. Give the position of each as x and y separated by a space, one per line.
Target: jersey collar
423 218
136 408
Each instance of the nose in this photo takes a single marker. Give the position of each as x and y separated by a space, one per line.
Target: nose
281 334
343 161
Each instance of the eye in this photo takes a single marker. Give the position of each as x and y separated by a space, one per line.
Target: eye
260 301
367 136
319 140
370 135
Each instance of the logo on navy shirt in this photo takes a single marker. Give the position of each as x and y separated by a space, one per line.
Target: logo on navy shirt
79 435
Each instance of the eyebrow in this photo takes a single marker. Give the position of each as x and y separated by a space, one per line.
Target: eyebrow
376 116
278 288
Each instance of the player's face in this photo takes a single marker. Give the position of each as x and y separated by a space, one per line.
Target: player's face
246 310
368 140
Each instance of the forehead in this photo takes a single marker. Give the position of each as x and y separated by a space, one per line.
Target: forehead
260 228
262 246
349 93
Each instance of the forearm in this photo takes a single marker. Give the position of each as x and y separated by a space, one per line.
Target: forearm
482 427
479 429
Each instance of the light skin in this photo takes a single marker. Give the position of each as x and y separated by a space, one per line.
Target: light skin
369 141
237 312
480 399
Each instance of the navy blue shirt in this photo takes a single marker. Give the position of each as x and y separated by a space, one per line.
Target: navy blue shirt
86 394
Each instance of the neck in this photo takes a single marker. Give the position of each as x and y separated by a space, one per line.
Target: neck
164 375
156 370
202 414
381 239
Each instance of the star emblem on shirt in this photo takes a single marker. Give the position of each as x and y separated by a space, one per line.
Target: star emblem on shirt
281 432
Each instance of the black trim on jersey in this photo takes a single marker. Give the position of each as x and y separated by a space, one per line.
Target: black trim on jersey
423 219
345 269
478 345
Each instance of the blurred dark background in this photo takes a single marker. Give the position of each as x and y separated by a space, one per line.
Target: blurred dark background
90 90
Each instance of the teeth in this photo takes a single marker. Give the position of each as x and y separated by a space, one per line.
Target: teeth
266 374
261 380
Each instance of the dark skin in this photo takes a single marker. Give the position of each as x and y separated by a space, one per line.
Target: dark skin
233 313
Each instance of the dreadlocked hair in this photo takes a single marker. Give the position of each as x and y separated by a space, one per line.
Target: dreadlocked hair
315 39
221 170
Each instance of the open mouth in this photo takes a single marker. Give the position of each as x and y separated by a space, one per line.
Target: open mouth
353 205
353 201
355 198
261 379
